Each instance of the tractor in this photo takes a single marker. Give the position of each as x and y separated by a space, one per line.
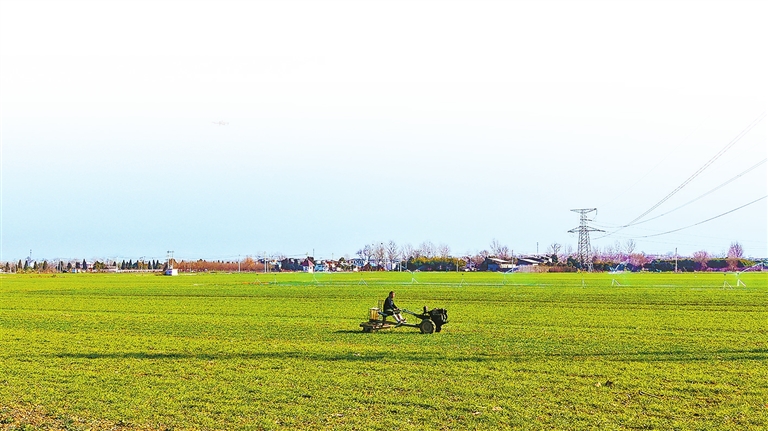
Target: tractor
430 320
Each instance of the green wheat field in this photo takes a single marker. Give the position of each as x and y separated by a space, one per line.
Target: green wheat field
285 351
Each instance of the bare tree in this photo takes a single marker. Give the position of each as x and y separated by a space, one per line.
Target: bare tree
701 257
496 248
407 251
392 252
735 253
504 252
629 246
554 249
607 253
427 249
479 258
365 253
379 252
618 251
443 250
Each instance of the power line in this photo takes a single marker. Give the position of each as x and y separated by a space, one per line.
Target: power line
664 158
705 194
704 221
701 169
694 239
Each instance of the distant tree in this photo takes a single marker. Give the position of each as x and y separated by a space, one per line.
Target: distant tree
662 265
554 250
69 266
499 250
629 246
443 250
638 260
478 259
248 264
379 253
365 253
19 266
568 251
7 267
701 258
618 251
736 250
735 253
85 265
408 252
717 263
427 249
609 253
392 252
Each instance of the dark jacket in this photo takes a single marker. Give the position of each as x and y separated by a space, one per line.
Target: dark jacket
389 304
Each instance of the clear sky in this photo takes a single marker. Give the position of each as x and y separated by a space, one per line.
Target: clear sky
345 123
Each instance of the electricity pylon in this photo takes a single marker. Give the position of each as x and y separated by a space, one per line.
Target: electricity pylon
585 251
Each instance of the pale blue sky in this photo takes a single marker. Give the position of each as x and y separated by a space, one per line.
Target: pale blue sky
362 122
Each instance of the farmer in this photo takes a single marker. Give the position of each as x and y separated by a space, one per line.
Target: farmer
391 309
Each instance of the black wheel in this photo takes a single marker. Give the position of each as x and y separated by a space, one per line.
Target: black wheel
367 329
427 326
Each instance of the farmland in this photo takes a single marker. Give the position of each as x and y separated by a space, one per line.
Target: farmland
284 351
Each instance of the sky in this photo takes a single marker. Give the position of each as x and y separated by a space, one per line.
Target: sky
221 129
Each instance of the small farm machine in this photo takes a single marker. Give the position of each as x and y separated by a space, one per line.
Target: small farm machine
429 320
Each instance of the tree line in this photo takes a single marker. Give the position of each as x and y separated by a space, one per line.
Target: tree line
427 256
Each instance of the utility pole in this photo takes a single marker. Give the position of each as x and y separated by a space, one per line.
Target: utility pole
675 260
585 250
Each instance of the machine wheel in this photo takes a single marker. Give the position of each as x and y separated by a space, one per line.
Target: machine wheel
427 326
367 329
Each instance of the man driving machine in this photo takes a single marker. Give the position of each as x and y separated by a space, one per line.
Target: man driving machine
391 309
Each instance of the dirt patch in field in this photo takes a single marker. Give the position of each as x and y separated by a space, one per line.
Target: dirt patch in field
27 418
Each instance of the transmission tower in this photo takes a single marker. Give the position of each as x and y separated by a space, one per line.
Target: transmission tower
585 250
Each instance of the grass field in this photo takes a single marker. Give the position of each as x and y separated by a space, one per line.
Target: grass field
247 351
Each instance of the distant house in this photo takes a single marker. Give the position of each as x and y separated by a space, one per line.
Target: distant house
80 266
496 264
290 264
308 265
534 260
